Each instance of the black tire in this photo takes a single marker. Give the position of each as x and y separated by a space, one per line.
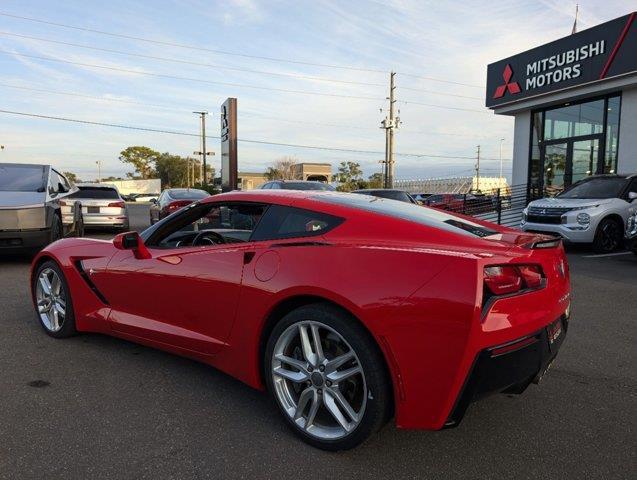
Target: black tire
379 403
57 231
68 328
608 236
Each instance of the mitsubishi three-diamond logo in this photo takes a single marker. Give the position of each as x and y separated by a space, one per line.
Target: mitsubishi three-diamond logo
512 87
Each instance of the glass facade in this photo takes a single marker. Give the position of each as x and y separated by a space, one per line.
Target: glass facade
573 141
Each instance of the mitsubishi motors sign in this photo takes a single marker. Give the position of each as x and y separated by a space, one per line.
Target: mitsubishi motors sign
594 55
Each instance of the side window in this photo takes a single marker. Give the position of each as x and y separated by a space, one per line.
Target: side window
208 224
275 186
266 186
57 183
633 186
289 222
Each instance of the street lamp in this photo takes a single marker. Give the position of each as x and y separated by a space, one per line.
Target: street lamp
99 170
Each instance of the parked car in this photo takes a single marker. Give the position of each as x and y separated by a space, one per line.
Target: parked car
145 197
389 193
349 309
296 185
631 229
102 206
446 201
593 210
171 200
30 207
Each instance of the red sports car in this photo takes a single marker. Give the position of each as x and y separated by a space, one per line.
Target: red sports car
349 309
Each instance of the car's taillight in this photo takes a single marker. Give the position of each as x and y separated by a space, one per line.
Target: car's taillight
117 204
178 204
508 279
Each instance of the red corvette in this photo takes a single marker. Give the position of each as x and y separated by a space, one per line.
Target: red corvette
348 309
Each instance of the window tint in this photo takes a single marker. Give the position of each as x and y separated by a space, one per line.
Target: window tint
21 178
289 222
98 193
600 187
410 212
306 186
218 224
187 194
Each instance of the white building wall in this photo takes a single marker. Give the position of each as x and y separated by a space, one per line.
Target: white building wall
627 151
521 139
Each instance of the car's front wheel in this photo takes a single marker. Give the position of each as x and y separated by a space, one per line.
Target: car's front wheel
327 377
608 236
52 299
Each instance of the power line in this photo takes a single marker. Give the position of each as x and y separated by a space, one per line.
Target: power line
190 47
236 54
190 79
403 130
409 102
199 64
243 140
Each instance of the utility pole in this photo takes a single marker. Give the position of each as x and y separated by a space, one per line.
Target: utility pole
478 170
99 170
389 124
203 153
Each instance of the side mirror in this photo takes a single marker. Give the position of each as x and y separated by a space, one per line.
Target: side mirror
632 196
132 241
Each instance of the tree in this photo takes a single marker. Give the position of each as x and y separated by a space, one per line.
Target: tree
375 181
142 160
349 176
172 170
71 177
282 169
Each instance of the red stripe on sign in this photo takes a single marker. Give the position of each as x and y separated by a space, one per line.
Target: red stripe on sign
620 40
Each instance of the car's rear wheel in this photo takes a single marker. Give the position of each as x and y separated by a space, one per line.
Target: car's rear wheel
56 229
608 236
53 301
327 377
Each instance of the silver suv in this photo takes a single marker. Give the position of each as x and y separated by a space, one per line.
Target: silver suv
593 210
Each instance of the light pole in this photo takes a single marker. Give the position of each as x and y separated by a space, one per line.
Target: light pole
99 170
501 142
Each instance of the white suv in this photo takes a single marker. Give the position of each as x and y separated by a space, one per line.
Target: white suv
593 210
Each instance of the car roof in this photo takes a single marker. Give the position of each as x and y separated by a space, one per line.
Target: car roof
12 164
96 185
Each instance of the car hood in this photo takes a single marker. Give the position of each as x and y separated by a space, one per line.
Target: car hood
21 199
569 202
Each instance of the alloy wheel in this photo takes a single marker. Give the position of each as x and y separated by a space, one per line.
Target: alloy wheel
51 300
611 234
318 380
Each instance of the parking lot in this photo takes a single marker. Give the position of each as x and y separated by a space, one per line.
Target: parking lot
98 407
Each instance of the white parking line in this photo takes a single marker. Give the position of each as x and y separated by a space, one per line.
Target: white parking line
607 255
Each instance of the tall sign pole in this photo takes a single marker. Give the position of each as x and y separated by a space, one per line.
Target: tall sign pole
203 146
229 161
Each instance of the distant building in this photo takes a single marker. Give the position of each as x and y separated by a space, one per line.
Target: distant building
318 172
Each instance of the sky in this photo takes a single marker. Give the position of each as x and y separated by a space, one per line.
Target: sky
304 72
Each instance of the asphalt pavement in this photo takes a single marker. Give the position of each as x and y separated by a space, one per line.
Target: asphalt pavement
98 407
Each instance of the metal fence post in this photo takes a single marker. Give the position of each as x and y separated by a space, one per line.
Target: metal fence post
499 207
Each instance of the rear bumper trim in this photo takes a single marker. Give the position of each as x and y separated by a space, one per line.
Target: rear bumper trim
509 368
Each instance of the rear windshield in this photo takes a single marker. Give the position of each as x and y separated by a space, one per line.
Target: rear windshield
306 186
391 194
601 187
21 178
411 212
96 193
187 194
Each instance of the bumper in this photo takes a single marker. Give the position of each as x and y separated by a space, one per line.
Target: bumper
15 241
563 231
100 220
510 367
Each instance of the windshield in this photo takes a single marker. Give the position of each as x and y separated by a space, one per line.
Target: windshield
306 186
594 188
187 194
21 178
96 193
411 212
391 194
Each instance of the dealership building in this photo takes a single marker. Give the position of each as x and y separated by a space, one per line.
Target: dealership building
574 101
